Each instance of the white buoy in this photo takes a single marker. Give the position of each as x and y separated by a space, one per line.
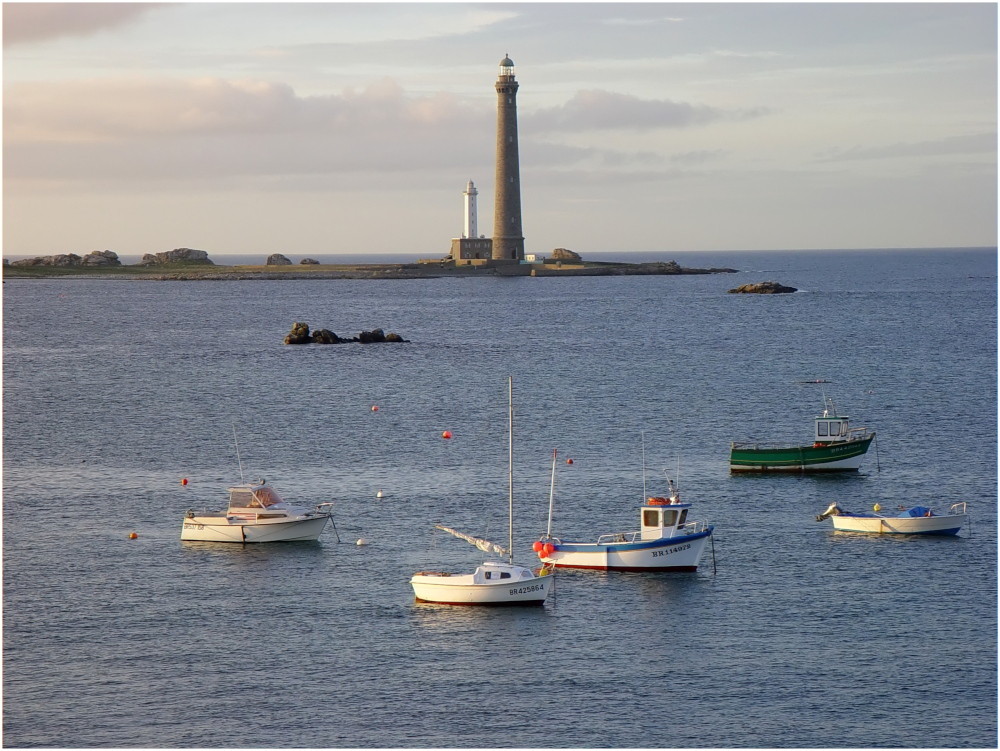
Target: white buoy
379 493
361 541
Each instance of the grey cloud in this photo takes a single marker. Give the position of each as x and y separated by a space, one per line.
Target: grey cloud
602 110
24 23
691 158
977 143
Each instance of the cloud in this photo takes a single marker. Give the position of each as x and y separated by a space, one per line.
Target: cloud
152 130
24 23
105 110
977 143
601 110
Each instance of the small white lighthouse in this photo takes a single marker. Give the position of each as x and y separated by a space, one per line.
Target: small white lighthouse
471 248
471 224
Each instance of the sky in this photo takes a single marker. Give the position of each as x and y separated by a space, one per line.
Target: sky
353 128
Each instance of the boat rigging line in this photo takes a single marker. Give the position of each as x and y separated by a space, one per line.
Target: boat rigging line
238 460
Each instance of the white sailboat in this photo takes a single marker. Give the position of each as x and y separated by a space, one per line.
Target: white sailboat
493 582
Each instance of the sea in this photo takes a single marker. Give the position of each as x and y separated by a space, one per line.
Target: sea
789 635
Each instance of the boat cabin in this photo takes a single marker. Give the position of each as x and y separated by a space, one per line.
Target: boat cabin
661 517
259 496
831 427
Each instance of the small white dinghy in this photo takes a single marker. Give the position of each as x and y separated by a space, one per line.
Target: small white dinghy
256 513
915 520
493 582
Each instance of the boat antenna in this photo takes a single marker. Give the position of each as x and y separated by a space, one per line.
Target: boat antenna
642 437
552 494
238 460
510 469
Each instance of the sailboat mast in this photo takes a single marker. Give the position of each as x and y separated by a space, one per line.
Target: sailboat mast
642 438
510 469
552 494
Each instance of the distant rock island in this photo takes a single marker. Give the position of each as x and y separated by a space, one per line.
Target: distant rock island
178 255
188 264
762 288
300 335
70 260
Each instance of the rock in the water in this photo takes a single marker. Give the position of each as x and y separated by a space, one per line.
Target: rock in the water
177 255
325 336
299 334
375 336
276 259
311 261
763 288
563 254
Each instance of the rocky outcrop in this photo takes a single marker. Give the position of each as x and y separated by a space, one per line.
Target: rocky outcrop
309 261
96 258
300 335
277 259
763 288
101 258
177 255
62 259
564 254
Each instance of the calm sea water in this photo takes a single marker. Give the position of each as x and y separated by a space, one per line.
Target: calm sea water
794 636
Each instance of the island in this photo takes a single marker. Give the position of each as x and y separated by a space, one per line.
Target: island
188 264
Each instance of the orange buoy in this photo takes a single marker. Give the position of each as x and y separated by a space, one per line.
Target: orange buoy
133 536
537 546
374 408
569 461
547 549
446 434
184 481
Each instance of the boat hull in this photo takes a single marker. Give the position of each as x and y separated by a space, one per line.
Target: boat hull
896 525
222 529
458 590
845 456
681 553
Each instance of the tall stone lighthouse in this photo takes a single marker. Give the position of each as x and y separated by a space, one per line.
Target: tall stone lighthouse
508 237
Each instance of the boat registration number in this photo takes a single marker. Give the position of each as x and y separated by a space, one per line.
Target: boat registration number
526 590
678 549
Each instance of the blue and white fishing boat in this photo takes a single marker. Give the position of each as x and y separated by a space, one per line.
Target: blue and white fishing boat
915 520
667 540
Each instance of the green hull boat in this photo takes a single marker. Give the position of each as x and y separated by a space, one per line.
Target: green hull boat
836 448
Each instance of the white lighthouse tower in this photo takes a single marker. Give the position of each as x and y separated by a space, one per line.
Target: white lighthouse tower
471 224
471 247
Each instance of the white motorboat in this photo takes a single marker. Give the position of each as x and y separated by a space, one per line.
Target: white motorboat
256 513
915 520
665 541
493 582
